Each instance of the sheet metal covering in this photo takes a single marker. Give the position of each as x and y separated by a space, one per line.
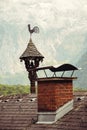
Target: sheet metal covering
64 67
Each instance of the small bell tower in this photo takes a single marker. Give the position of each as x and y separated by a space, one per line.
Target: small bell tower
32 57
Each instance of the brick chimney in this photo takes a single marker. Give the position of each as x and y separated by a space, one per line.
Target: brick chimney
55 98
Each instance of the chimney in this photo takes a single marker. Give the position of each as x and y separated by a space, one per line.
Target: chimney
31 57
55 98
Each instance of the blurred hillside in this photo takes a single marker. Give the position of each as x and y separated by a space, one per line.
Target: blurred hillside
82 73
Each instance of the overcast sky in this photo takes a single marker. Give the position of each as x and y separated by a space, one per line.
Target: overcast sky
62 37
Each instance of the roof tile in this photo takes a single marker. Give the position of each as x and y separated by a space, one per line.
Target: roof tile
20 115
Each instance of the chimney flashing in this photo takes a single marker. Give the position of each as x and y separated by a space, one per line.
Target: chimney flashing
51 117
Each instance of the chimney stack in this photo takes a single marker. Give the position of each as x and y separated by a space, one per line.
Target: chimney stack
55 96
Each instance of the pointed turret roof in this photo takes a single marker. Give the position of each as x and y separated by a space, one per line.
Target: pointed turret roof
31 51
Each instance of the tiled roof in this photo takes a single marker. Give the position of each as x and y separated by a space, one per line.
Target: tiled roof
20 113
31 51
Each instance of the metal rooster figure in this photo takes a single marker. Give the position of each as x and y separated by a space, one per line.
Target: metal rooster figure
35 29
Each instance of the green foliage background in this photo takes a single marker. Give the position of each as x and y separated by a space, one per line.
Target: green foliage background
14 89
23 89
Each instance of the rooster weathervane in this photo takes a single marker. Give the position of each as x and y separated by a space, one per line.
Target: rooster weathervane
35 29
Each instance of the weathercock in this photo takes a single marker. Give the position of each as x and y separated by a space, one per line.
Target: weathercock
35 29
